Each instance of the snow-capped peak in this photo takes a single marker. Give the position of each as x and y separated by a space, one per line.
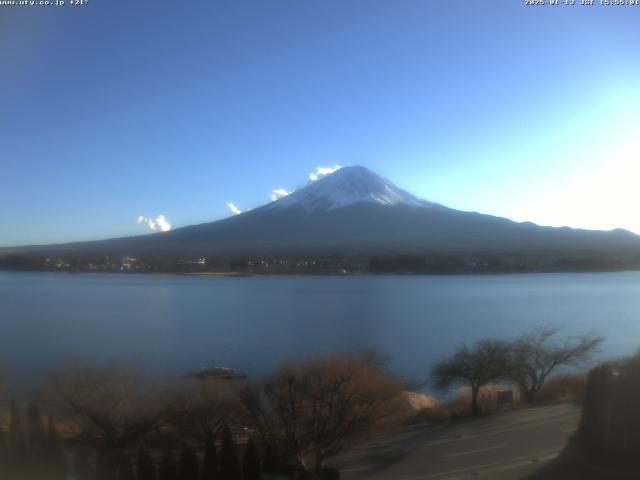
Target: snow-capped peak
348 186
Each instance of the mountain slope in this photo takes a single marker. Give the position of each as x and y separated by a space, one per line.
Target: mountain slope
356 210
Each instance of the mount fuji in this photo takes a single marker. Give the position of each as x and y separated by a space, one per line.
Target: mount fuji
356 210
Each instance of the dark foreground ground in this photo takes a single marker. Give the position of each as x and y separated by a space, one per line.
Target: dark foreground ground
510 445
574 464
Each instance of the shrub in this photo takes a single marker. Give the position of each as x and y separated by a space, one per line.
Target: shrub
188 464
228 460
210 460
251 462
563 388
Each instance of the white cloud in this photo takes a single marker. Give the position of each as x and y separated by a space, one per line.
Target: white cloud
234 209
278 194
322 172
158 224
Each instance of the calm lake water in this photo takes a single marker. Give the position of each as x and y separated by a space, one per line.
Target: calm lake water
172 324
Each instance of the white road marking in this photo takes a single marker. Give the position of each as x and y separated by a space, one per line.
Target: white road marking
469 452
515 462
357 469
497 432
503 468
484 469
396 448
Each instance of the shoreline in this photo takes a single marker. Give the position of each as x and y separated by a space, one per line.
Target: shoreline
231 274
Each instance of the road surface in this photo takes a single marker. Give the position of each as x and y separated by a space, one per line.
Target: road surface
500 447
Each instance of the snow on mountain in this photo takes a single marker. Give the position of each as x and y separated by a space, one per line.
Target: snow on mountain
348 186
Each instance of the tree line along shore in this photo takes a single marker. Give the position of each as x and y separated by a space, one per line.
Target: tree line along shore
432 263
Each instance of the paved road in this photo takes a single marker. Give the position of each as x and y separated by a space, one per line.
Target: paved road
501 447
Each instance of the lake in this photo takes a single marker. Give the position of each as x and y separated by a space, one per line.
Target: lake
169 325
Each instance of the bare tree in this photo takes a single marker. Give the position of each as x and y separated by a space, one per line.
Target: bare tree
536 355
375 357
313 410
208 405
110 411
487 361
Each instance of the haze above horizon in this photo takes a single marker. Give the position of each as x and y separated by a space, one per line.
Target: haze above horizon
118 117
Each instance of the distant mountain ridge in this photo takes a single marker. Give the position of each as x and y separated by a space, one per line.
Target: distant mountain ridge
356 210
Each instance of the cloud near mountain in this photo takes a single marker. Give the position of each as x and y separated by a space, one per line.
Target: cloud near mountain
234 208
278 193
157 224
322 172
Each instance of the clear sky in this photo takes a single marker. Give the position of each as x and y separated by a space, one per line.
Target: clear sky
121 109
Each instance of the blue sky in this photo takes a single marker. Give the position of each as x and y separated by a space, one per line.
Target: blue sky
120 109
